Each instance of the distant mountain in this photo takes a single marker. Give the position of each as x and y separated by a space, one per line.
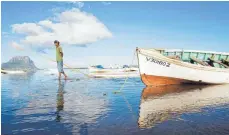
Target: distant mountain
19 63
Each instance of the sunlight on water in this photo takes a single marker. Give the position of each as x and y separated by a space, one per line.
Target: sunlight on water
40 104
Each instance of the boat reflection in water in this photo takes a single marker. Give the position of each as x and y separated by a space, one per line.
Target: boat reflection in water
159 104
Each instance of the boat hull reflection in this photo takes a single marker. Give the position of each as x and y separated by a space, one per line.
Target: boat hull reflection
159 104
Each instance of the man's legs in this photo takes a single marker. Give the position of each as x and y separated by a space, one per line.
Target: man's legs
60 69
59 75
65 76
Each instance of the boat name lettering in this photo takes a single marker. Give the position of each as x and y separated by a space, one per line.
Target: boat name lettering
158 61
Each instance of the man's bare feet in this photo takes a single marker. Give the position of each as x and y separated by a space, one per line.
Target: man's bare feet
65 77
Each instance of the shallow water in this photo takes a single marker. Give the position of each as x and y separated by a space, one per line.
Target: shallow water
40 104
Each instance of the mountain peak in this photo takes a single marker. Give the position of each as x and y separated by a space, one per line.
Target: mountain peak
19 63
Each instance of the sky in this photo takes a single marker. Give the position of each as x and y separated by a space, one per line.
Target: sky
107 33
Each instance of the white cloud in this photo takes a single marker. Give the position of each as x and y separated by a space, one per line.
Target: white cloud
71 27
106 3
16 46
77 3
28 29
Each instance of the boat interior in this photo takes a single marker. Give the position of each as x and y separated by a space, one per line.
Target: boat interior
205 58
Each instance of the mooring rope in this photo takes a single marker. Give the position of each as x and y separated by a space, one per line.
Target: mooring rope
122 86
127 76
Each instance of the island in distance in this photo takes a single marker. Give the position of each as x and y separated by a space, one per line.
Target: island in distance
18 64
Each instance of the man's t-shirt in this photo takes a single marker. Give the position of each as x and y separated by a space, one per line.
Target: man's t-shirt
58 55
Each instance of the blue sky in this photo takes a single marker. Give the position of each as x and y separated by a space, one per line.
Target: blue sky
117 27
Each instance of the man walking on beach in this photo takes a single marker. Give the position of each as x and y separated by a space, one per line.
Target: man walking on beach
59 59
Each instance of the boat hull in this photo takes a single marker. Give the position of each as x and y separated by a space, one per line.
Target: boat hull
156 69
150 80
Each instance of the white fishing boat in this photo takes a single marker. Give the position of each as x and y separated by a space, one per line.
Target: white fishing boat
114 75
166 67
12 72
162 103
99 71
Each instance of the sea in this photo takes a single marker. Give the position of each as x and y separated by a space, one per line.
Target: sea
40 104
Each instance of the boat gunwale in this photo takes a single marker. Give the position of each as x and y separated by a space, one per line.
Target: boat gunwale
188 51
159 56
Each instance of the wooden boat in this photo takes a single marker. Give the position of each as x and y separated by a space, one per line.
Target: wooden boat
100 72
101 69
166 67
12 72
162 103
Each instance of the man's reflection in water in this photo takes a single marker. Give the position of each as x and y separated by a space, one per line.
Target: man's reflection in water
60 107
60 100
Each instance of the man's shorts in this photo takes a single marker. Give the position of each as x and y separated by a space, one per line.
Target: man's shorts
60 66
